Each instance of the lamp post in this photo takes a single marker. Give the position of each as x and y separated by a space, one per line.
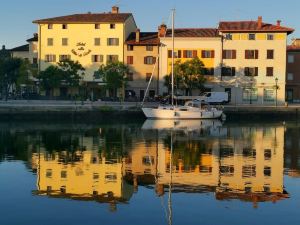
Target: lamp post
276 88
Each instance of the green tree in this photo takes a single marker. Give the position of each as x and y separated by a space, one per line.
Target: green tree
73 72
10 70
51 78
189 75
114 74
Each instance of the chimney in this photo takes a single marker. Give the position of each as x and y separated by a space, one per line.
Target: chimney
278 22
115 10
259 22
162 30
137 35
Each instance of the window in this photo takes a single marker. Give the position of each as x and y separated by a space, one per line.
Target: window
97 41
249 171
270 37
95 176
49 173
227 171
112 41
65 26
291 58
110 177
148 160
229 54
251 54
64 57
226 151
270 54
129 60
97 26
178 54
228 36
250 94
208 54
205 169
251 36
189 53
64 41
208 71
63 174
267 171
149 48
97 58
50 41
50 26
269 95
148 76
228 71
50 58
130 47
149 60
290 76
34 61
270 71
130 76
251 71
249 153
112 58
268 154
112 26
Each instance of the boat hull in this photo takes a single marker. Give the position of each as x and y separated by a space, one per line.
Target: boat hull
169 113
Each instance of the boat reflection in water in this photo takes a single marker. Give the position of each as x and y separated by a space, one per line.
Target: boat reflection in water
234 162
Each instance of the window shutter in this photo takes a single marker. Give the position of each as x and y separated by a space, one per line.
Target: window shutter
212 54
246 71
154 60
256 71
203 54
246 54
224 54
179 53
184 53
128 60
194 53
233 71
234 54
256 54
169 53
145 60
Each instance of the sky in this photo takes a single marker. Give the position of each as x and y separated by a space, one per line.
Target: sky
16 16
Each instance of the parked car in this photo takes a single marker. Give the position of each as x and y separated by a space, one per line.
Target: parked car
216 97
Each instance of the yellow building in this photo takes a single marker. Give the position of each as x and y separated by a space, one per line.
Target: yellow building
254 61
81 176
141 54
92 39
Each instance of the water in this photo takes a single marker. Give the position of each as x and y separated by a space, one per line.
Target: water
163 172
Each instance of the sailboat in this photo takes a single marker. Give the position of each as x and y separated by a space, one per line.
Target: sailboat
193 109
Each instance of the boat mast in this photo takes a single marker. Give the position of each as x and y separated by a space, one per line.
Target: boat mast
173 50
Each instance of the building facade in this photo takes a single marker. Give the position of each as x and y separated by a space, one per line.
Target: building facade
247 59
293 72
141 55
91 39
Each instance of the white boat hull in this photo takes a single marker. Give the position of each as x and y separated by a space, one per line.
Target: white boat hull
169 113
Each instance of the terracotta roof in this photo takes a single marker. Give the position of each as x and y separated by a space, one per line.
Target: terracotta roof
22 48
293 48
146 38
88 18
194 32
240 26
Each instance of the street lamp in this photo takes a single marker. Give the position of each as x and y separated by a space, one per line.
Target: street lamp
276 88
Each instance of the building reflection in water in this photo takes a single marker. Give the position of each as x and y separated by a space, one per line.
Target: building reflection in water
234 162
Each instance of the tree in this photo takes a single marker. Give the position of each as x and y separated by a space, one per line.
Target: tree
10 71
68 73
114 74
51 78
189 75
73 72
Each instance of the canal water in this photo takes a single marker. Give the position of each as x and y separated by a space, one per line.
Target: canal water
152 172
